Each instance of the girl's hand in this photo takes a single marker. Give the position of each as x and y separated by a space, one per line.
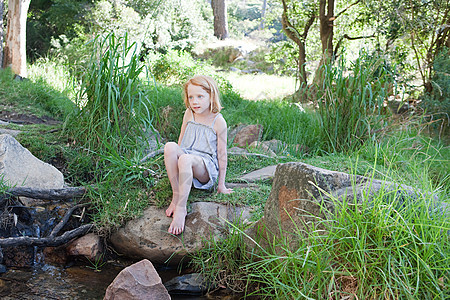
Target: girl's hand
224 190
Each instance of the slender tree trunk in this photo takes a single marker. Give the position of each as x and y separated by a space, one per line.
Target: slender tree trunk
1 34
326 17
299 39
15 46
219 8
263 14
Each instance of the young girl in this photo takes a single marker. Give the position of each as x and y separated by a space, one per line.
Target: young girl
200 157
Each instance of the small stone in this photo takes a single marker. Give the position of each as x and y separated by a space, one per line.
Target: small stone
190 284
263 147
89 246
248 135
139 281
3 269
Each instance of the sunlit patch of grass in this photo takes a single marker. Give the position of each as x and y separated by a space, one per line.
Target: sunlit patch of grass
38 98
262 86
53 72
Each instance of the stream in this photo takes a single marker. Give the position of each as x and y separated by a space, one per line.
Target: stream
43 278
45 281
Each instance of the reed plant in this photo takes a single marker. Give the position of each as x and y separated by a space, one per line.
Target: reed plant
386 248
351 102
113 108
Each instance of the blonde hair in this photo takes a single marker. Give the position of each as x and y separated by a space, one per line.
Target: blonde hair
210 86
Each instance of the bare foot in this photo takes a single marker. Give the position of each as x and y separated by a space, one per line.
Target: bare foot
179 217
170 209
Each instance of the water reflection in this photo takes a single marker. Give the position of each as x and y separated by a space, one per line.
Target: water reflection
51 282
45 281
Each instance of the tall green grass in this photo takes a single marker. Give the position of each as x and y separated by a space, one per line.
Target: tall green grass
378 249
53 71
411 157
350 103
113 108
122 190
388 247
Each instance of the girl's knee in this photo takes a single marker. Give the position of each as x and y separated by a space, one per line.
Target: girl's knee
170 147
185 161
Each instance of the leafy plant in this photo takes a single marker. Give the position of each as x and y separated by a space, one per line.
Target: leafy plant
175 67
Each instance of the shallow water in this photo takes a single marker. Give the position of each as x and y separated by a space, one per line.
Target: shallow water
51 282
76 282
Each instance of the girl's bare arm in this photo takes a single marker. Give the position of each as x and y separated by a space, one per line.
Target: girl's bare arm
221 129
187 116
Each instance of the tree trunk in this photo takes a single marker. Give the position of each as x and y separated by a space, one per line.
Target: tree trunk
299 39
326 17
219 8
1 34
263 14
15 45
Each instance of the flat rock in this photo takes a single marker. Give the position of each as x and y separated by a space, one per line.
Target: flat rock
19 167
261 174
237 150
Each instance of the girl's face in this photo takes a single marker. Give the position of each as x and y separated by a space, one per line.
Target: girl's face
199 99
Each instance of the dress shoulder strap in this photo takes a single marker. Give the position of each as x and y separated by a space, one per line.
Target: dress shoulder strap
214 121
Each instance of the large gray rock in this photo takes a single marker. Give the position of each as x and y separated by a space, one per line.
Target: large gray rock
301 194
147 236
11 132
18 167
139 281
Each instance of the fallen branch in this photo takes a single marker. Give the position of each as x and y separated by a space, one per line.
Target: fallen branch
256 154
47 194
49 241
152 154
65 219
